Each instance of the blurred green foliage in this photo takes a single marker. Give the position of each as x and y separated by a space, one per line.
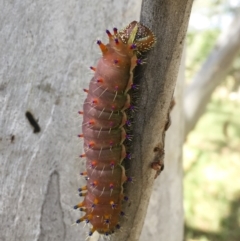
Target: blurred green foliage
212 150
199 45
212 154
212 166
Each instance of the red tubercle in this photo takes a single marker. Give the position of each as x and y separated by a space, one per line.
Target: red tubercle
95 202
111 186
79 205
112 203
94 183
95 101
84 209
81 194
109 34
112 164
133 46
86 218
93 164
84 188
80 219
116 41
111 143
102 46
91 144
116 61
83 173
93 68
115 30
99 80
91 122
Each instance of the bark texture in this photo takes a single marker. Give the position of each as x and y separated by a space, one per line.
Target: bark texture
164 219
211 74
168 20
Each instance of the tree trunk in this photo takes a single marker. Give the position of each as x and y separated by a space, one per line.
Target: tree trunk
211 74
164 219
46 48
168 20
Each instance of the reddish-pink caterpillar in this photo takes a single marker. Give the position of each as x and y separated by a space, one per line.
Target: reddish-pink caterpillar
104 126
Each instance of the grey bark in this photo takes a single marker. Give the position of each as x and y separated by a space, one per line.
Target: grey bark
165 218
211 74
168 20
46 48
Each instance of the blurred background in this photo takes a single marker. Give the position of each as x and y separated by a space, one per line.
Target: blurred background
211 151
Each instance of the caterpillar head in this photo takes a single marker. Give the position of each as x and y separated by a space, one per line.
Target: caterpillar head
138 34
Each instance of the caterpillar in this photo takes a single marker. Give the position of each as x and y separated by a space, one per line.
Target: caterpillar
105 126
